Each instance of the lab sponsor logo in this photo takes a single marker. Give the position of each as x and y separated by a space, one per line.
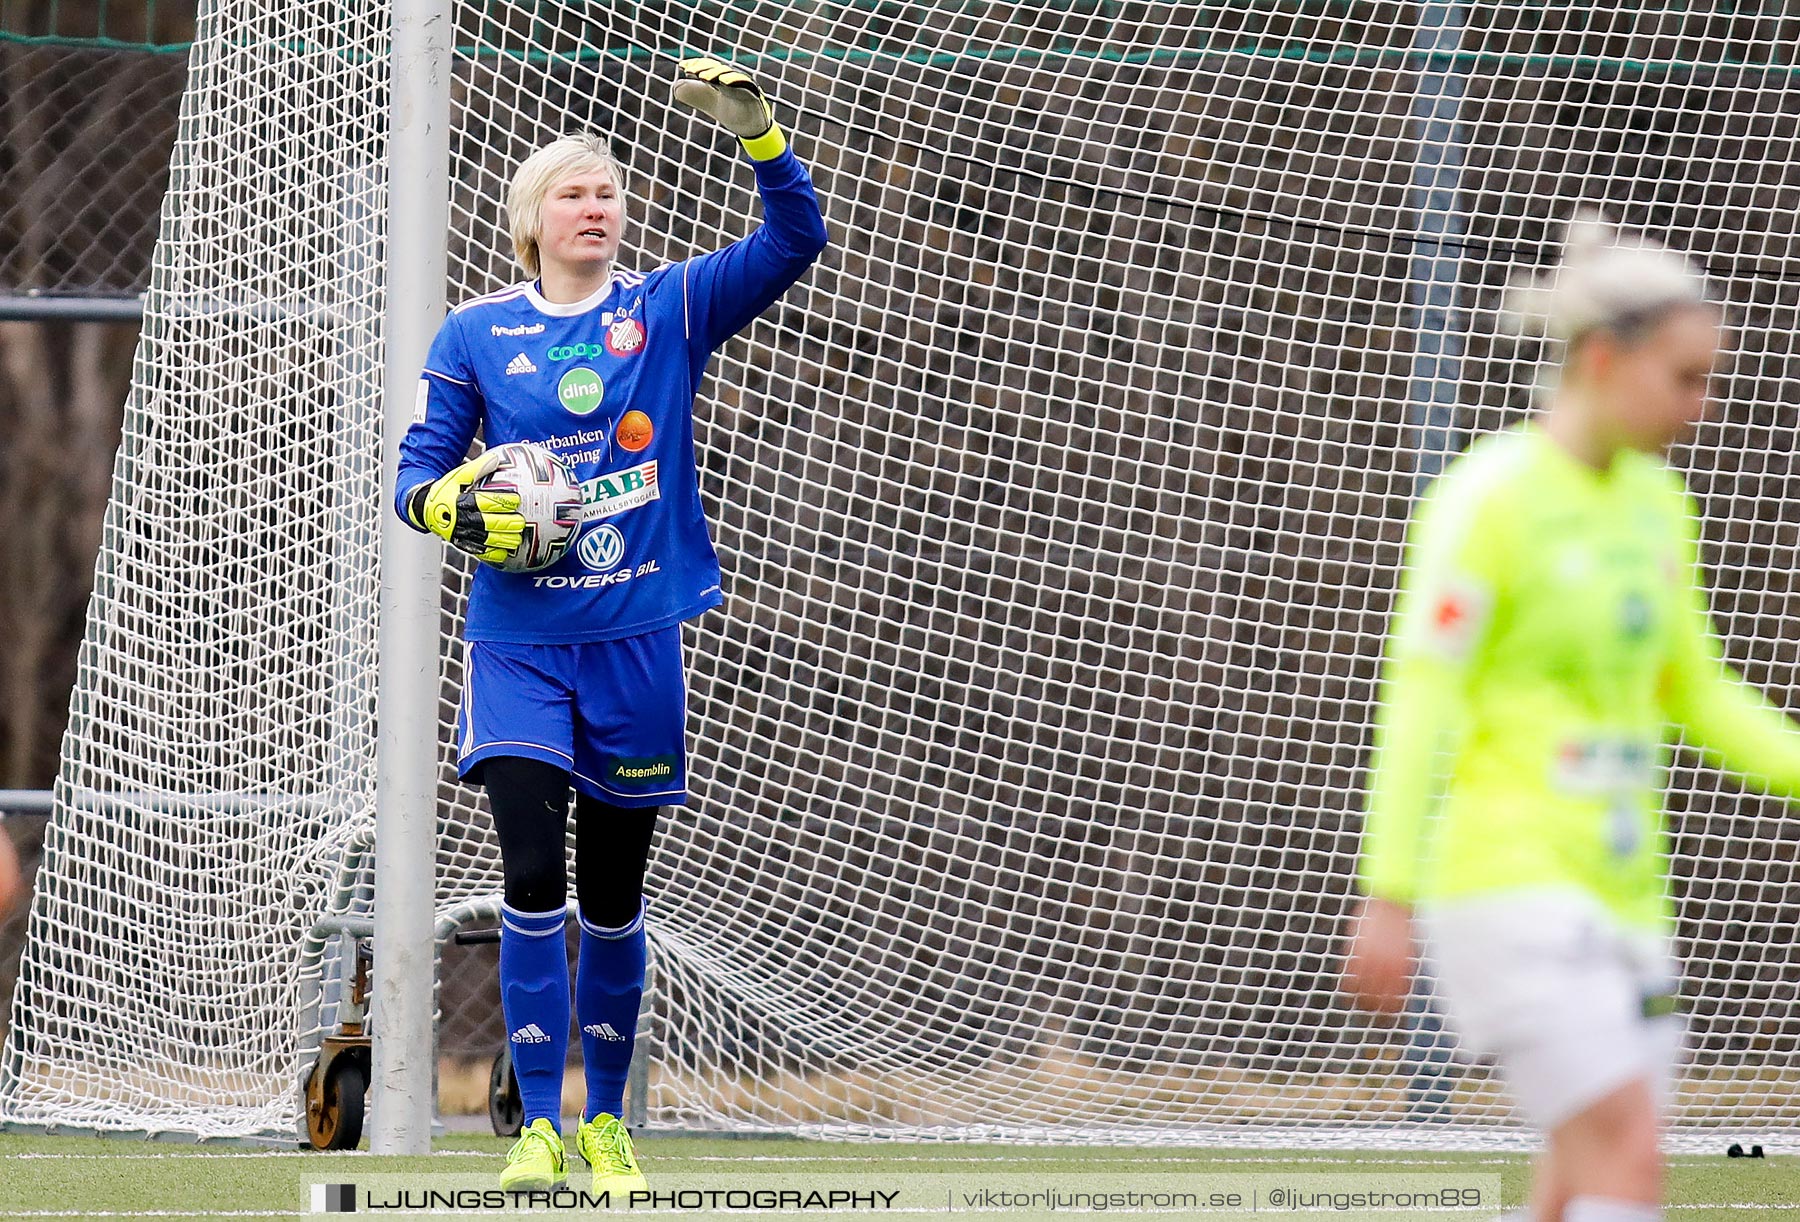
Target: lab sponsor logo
604 496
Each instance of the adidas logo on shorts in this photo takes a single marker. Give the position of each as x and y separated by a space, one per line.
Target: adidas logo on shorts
520 364
530 1033
603 1030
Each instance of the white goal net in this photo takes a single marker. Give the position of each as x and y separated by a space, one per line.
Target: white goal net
1060 507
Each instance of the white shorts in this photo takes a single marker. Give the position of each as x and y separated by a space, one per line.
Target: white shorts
1559 994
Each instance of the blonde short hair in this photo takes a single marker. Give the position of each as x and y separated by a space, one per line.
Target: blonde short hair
562 158
1621 284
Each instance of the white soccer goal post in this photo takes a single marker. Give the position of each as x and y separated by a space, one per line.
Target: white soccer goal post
1060 507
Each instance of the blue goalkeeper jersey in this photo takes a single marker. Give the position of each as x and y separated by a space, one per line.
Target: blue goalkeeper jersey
609 384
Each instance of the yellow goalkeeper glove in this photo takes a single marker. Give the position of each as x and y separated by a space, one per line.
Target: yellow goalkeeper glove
487 525
729 95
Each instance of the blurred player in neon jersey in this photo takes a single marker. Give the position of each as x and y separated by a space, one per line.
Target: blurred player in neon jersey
574 674
1551 622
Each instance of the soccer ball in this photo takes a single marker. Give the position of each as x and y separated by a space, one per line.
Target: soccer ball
549 499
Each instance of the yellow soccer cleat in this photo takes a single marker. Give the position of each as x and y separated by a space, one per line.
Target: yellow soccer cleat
606 1146
537 1160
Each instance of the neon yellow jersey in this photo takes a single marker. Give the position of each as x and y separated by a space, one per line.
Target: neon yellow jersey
1551 627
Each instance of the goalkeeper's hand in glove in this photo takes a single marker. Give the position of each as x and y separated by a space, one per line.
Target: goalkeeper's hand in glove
729 95
487 525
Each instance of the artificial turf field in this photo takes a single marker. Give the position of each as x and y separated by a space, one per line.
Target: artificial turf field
73 1177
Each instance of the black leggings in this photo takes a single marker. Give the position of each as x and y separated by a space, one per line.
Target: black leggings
530 802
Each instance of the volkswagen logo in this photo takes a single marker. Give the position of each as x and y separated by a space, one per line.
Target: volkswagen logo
602 549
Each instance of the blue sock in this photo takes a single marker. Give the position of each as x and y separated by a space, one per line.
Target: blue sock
534 994
609 983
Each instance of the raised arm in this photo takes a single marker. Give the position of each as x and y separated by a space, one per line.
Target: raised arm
725 290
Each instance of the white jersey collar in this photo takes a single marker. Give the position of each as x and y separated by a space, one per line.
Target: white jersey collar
561 310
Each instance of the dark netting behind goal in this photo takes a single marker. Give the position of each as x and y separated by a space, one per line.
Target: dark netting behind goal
1060 505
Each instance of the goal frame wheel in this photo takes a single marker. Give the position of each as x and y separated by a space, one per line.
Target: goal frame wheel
336 1098
506 1110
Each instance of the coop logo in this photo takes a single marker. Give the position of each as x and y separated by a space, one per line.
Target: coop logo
580 391
605 496
574 352
536 328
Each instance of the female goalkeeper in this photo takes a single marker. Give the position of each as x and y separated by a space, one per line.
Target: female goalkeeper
574 672
1551 623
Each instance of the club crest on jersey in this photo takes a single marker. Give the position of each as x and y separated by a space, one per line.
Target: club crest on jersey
615 492
625 337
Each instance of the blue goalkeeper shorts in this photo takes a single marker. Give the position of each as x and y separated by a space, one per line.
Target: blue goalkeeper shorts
614 713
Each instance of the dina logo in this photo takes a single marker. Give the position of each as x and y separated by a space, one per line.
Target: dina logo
602 549
580 391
